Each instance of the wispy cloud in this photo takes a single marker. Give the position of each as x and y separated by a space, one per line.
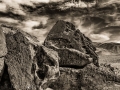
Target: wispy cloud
9 20
13 5
3 7
27 25
99 37
39 25
109 2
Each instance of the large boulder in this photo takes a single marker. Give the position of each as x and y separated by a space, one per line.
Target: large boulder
28 65
19 61
64 35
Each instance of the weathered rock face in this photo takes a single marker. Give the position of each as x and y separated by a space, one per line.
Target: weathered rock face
76 51
19 61
56 65
64 35
72 58
3 52
3 49
47 70
28 66
89 78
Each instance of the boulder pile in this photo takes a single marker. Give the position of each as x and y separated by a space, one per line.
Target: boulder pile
66 61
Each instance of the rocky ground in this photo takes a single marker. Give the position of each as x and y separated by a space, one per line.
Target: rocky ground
66 61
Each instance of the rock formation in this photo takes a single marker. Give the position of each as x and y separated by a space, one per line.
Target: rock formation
66 61
68 40
26 66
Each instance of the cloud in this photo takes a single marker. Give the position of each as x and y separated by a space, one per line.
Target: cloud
3 7
40 34
9 20
70 4
107 34
39 1
32 26
107 2
15 5
95 28
28 25
56 0
110 29
115 38
99 37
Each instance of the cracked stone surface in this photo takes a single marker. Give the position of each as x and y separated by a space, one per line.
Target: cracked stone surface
3 49
89 78
66 61
64 35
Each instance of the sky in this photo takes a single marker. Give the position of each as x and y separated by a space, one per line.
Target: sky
97 28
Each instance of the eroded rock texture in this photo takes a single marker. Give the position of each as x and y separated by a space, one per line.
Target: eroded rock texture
89 78
64 35
64 62
75 51
19 61
47 70
3 49
3 52
28 66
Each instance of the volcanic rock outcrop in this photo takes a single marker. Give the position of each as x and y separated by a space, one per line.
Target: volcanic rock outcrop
66 61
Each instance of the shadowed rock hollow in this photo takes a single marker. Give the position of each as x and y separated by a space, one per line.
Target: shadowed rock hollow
64 62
